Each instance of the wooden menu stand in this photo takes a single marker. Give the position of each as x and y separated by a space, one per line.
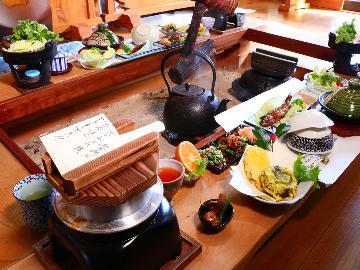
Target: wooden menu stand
292 5
112 178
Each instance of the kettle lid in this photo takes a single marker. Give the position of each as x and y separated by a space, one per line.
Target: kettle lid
188 90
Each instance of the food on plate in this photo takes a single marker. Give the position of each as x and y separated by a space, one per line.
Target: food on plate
213 211
276 111
247 132
346 32
177 34
172 28
173 39
103 38
276 181
30 36
214 156
235 143
277 114
279 183
187 154
325 78
94 57
255 161
305 173
130 48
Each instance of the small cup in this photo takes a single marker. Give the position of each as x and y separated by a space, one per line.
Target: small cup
59 63
208 22
171 188
35 197
206 206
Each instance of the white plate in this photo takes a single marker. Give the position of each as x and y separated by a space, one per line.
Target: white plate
281 156
303 189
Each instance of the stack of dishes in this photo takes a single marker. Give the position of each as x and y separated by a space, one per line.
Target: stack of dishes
309 133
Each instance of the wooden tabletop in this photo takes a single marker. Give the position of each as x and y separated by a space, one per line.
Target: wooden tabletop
252 224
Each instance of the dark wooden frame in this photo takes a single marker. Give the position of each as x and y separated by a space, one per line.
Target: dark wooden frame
100 81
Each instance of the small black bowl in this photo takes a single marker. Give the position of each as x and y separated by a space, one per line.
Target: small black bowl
204 208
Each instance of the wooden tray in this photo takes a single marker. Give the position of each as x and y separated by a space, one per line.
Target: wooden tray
190 249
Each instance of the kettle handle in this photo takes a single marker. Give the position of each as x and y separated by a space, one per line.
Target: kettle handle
162 68
198 53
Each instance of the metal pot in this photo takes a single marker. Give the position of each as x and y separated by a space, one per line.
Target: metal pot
105 219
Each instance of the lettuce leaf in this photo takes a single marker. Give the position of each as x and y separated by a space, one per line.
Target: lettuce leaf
303 173
200 168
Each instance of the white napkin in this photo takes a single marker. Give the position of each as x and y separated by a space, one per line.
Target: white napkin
344 152
233 117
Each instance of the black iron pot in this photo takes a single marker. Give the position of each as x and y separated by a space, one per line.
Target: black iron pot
190 110
39 60
344 53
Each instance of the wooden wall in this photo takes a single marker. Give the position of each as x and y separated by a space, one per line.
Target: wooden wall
328 4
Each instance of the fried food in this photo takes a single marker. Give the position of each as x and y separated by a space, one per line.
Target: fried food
276 115
279 183
255 161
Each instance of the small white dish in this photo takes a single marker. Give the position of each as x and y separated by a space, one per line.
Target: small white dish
143 32
309 119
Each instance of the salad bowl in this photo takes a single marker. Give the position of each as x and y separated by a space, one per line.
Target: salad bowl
322 80
95 58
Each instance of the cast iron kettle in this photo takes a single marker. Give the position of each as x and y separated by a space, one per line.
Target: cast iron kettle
190 109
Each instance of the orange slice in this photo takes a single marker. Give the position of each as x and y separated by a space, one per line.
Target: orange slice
186 153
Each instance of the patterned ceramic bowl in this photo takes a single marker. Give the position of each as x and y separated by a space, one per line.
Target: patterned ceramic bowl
59 63
35 197
311 141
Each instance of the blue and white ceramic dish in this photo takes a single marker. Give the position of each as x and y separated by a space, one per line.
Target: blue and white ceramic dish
59 63
311 141
35 197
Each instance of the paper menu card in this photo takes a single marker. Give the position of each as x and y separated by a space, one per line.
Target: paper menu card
236 115
80 143
87 140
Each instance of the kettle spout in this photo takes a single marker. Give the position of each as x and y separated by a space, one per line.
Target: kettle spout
222 106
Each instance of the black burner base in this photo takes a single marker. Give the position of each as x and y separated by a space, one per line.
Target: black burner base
146 246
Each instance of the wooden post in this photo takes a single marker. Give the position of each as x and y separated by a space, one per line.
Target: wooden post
291 5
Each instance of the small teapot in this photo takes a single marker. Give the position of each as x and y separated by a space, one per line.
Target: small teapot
190 109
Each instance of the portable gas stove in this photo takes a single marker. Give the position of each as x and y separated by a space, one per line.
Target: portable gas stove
142 233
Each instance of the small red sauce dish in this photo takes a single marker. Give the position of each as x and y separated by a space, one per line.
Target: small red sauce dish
171 173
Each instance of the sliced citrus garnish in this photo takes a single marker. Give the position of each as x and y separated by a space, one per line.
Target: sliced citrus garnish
186 153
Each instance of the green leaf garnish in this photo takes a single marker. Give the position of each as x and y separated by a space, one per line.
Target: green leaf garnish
303 173
262 138
346 32
32 30
200 168
223 210
282 129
